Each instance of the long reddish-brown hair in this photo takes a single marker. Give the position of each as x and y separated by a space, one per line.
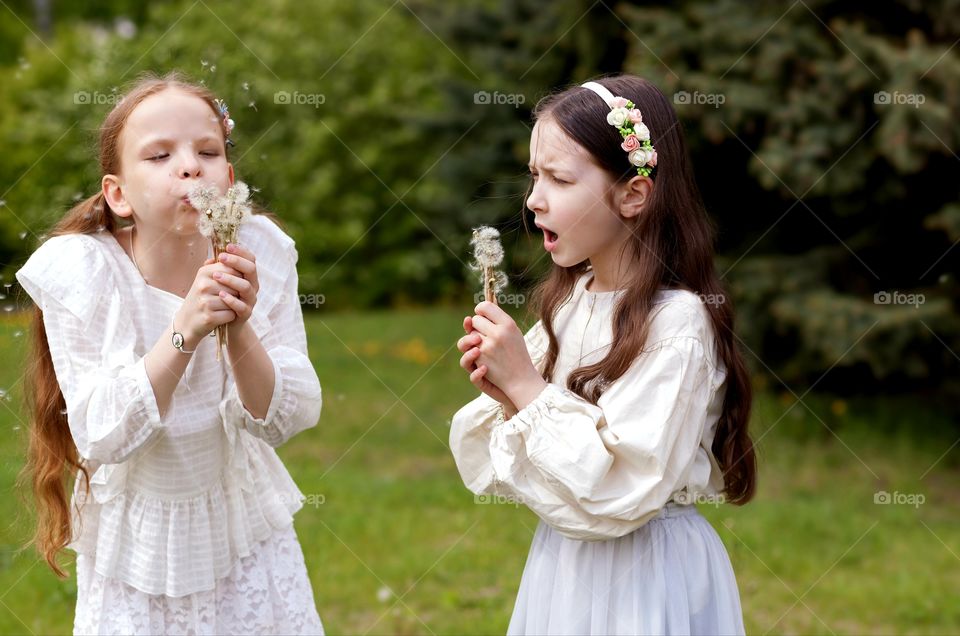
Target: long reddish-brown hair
671 246
52 456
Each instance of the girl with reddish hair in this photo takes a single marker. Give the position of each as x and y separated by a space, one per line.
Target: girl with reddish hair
181 512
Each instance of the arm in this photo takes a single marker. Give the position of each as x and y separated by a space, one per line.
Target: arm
614 464
276 392
112 409
472 426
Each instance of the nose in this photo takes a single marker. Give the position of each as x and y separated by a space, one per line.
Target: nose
189 166
535 200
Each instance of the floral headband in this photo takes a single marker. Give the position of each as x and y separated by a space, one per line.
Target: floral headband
625 117
228 123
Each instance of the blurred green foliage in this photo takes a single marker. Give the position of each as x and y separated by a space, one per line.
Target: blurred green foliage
381 132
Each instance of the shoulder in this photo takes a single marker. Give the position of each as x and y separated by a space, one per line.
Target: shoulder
276 256
679 313
70 269
266 239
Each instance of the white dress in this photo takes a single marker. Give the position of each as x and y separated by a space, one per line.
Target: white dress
619 548
188 528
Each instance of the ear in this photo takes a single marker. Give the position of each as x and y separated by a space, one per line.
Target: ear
634 195
113 193
230 171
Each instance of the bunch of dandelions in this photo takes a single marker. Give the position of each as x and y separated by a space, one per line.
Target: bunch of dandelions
220 221
488 254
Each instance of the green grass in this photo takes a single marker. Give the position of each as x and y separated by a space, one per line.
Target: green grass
390 512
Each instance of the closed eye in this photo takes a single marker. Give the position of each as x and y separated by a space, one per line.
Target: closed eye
158 157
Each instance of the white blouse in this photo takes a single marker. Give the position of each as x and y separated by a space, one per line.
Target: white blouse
597 472
177 500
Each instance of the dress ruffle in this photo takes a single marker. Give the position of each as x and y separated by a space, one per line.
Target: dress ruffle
185 545
170 513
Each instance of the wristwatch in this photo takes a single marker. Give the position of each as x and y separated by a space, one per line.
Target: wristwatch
177 340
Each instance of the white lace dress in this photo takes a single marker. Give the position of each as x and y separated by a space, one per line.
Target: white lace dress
619 548
188 528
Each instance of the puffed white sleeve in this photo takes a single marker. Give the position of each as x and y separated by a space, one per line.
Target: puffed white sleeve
600 471
111 407
473 425
296 401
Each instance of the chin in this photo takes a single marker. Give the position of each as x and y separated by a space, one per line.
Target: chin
563 260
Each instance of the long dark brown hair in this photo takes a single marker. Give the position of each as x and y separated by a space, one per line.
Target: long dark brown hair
52 456
672 246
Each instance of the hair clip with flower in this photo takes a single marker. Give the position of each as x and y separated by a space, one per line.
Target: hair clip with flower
228 123
626 118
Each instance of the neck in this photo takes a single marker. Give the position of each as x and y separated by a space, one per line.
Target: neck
611 268
169 260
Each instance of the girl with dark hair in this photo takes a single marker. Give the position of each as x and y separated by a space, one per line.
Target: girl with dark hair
628 401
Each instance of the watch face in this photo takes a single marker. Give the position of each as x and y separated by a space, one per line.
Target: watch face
177 340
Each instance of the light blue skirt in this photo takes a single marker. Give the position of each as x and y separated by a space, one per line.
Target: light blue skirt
670 576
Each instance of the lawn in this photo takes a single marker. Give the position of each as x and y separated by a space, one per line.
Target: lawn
396 545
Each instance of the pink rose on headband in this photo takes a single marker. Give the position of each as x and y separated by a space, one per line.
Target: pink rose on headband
652 161
619 102
635 116
630 143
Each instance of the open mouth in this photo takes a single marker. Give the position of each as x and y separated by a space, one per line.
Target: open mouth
550 239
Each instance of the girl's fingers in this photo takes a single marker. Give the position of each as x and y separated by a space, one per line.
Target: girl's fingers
223 316
467 324
468 359
477 374
241 259
468 342
236 283
483 325
236 248
492 312
238 306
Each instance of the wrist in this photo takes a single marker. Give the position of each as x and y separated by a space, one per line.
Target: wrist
524 391
191 340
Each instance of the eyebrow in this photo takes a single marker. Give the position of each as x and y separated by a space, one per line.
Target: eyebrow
549 167
166 141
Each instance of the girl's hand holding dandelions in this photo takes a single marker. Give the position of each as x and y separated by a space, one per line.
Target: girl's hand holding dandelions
496 357
243 283
204 308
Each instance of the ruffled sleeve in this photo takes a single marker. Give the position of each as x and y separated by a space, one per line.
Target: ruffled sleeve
296 402
473 425
111 407
596 472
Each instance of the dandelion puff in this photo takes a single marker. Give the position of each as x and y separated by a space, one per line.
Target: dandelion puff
220 219
488 254
204 198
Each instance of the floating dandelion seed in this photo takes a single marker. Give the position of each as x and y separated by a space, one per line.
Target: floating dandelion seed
220 220
488 254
